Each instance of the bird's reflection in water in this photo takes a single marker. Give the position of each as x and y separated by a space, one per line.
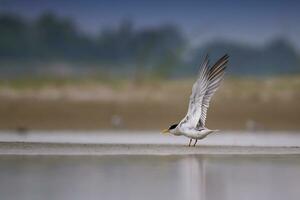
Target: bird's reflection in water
192 177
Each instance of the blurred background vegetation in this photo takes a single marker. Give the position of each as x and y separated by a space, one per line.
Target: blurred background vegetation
51 45
54 74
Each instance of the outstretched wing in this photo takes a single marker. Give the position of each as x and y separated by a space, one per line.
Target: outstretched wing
208 81
215 77
198 91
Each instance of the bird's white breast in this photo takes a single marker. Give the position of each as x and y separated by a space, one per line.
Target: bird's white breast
193 133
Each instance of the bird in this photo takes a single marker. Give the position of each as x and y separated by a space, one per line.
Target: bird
208 81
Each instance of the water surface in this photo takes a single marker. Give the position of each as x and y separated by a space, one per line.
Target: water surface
203 177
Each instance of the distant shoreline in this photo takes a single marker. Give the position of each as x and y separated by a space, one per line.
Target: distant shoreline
252 104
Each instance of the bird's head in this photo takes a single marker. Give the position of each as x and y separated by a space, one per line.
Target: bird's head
171 129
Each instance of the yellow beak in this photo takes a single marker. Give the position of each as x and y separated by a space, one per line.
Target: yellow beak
165 131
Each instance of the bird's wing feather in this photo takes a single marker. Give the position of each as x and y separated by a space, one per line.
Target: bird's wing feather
216 75
198 91
208 81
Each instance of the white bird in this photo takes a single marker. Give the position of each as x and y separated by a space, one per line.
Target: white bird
209 80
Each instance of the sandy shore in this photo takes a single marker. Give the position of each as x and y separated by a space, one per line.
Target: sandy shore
34 148
146 143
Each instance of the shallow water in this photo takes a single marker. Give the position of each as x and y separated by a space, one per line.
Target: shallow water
204 177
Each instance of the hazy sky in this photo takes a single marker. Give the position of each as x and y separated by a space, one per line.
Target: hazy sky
249 21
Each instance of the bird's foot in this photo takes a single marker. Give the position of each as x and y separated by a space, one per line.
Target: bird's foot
190 142
195 143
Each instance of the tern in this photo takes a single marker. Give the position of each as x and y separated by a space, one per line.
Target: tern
208 82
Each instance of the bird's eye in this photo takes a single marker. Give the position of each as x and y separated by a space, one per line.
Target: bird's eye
173 126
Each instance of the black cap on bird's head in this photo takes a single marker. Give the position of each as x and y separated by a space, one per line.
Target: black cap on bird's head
170 128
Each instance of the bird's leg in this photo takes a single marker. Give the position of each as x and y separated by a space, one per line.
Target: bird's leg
195 142
190 142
